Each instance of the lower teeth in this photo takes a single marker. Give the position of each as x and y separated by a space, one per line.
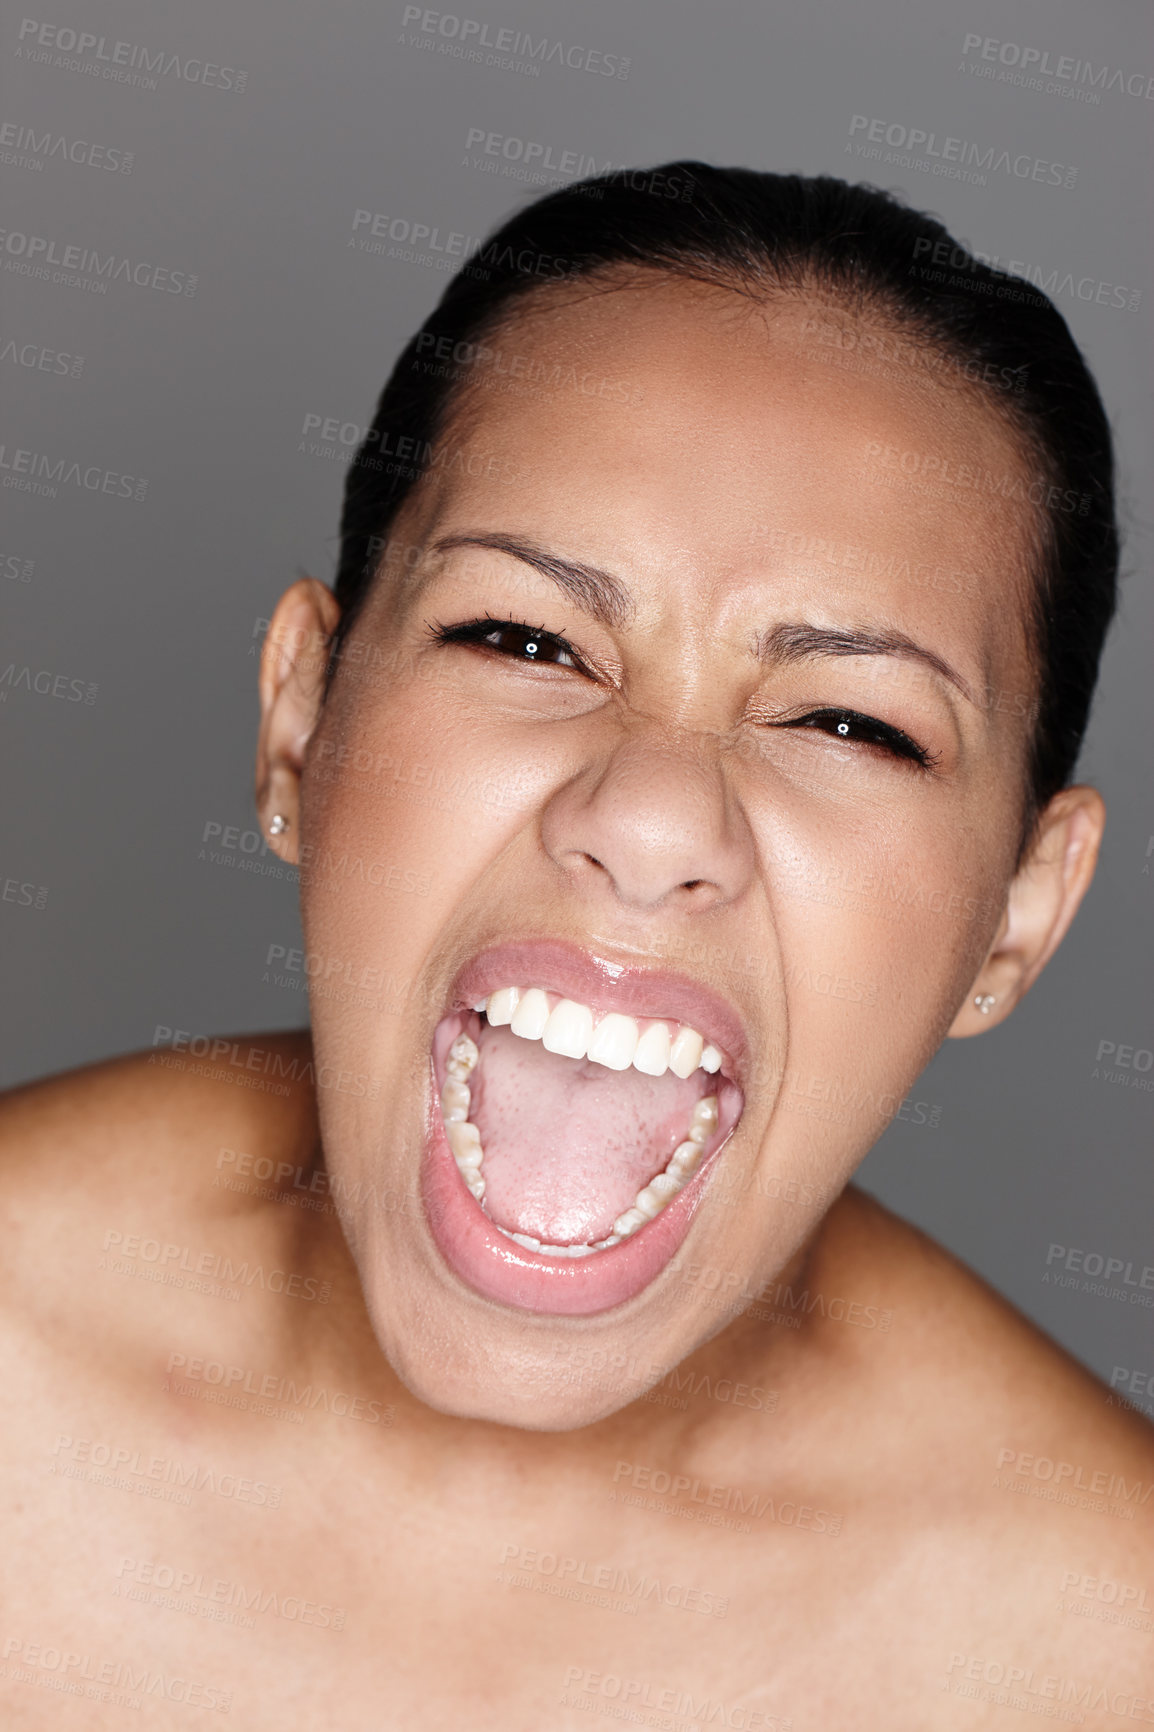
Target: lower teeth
464 1141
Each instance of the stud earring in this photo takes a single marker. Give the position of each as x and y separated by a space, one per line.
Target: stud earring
277 824
984 1001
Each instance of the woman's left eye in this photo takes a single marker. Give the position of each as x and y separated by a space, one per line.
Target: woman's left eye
520 642
856 729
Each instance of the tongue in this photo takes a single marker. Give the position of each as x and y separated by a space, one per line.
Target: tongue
568 1144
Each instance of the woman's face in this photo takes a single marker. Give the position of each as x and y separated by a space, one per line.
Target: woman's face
748 762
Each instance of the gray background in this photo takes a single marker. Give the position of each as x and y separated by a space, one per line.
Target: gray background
158 602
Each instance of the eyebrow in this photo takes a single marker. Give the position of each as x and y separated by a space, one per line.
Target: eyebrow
605 598
597 593
787 643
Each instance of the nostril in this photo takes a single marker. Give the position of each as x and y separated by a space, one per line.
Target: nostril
700 893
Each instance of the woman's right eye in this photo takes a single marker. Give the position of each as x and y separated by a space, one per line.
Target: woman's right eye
520 642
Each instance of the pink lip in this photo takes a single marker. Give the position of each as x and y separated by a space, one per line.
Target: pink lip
606 985
471 1245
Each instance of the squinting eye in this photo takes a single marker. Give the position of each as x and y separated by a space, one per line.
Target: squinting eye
518 642
855 728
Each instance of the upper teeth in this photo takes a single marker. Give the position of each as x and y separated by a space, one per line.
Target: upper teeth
616 1041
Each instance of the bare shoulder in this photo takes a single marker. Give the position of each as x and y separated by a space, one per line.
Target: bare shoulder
1024 1496
997 1379
151 1107
140 1143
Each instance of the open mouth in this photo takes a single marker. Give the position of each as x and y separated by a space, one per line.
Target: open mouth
576 1125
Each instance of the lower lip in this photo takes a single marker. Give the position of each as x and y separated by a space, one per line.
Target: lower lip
499 1269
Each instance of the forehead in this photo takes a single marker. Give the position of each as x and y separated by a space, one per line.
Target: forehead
698 439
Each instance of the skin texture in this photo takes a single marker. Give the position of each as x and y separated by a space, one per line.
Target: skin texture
851 1428
659 804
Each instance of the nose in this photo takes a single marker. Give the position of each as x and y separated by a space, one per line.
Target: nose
654 826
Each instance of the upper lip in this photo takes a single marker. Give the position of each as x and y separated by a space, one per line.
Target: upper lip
606 983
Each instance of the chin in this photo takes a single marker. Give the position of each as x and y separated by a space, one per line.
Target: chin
567 1116
529 1388
569 1160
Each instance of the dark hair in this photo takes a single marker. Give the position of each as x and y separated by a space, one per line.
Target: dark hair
856 247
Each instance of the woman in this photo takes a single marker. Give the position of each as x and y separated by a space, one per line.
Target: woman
722 587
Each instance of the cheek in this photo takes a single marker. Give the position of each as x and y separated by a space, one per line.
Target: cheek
882 913
409 795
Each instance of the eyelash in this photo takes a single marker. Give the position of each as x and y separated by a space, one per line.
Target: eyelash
898 744
480 631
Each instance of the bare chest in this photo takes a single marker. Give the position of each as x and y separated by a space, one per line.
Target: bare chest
277 1570
153 1576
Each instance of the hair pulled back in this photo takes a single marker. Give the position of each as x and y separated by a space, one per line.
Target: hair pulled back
772 234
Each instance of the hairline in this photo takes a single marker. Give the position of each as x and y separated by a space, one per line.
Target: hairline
796 280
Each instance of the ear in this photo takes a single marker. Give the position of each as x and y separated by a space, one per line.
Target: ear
292 677
1043 900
